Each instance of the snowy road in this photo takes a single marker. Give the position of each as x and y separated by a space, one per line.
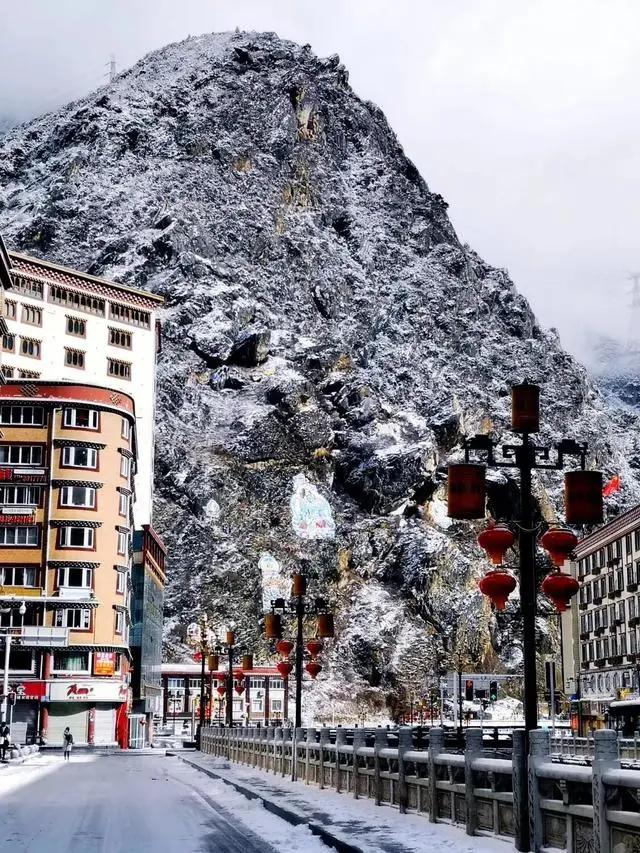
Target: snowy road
134 804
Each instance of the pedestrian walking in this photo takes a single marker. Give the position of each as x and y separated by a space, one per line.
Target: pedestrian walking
68 743
4 738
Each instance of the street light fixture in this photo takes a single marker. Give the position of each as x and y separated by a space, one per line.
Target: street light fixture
7 654
200 635
299 607
583 505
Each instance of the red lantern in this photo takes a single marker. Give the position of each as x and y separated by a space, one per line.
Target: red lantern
466 491
314 647
313 668
240 688
272 626
284 647
495 540
498 585
583 497
284 668
525 408
221 690
238 674
559 542
560 588
197 657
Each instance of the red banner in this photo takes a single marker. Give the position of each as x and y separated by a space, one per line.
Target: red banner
29 689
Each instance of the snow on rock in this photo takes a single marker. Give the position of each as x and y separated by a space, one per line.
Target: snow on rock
322 319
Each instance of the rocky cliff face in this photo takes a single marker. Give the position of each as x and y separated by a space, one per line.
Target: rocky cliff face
324 325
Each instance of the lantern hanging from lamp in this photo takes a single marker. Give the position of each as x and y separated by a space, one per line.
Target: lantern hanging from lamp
559 542
466 491
240 688
314 647
284 647
313 668
560 588
213 662
496 539
247 662
284 668
497 585
230 638
583 502
273 626
221 690
299 585
325 625
525 407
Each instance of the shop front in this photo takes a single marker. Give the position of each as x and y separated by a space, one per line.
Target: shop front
88 707
25 711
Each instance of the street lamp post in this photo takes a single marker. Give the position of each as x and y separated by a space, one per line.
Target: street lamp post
4 713
200 635
583 505
299 607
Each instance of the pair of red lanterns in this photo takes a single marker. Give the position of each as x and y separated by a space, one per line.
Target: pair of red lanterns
285 667
238 677
498 584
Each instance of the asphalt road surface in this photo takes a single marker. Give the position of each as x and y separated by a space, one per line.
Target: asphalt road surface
130 804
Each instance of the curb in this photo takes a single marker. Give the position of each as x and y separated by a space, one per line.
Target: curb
291 816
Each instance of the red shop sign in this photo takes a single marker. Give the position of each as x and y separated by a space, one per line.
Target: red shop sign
29 689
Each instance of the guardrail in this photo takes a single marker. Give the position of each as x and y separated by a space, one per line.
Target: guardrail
570 807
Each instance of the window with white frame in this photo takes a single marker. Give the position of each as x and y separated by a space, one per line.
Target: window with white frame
19 537
80 578
194 684
121 582
123 543
21 454
123 507
276 706
18 575
256 683
20 495
80 457
257 704
76 537
118 621
175 683
20 660
125 466
81 418
276 684
80 496
71 618
22 415
126 429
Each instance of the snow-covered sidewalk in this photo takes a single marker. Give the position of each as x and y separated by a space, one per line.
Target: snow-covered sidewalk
358 823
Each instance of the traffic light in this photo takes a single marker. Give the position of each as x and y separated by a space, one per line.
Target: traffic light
493 691
468 689
11 698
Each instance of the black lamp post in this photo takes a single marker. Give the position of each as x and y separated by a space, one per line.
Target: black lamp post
200 635
228 649
299 607
583 505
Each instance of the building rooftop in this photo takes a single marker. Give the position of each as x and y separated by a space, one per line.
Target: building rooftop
614 529
30 267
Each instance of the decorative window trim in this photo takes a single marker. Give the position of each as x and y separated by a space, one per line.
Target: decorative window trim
72 522
124 451
79 355
118 369
114 332
75 320
74 564
73 442
90 484
37 346
124 491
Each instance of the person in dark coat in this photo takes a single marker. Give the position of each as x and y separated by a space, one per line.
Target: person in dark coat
67 738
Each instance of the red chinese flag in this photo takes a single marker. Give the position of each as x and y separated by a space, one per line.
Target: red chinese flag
612 486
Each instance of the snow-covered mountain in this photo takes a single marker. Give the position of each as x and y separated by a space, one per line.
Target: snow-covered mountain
322 319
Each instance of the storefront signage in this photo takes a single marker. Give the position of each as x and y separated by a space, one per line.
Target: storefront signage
104 663
28 689
88 690
23 475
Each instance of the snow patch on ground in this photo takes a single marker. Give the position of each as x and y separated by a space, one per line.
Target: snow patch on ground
12 778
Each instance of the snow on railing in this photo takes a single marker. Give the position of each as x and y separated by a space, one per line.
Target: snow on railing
473 789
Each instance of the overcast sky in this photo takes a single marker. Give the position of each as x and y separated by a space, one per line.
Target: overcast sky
523 114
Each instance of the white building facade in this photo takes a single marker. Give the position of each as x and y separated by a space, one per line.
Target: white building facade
65 325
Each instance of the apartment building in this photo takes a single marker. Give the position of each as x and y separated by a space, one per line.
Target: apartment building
264 699
601 647
76 478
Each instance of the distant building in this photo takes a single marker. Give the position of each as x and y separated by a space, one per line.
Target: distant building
601 637
264 700
148 582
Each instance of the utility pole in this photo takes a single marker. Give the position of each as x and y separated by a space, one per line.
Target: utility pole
112 68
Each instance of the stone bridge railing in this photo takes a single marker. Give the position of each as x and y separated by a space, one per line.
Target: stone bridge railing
574 808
